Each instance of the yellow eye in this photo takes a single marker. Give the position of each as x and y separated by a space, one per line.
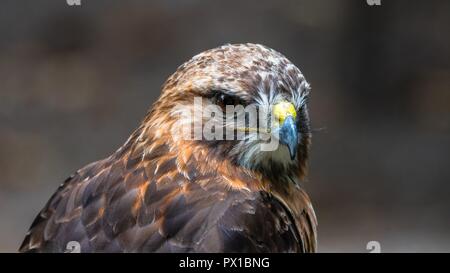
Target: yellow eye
284 109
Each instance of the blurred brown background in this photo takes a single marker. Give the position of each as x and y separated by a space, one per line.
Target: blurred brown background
75 81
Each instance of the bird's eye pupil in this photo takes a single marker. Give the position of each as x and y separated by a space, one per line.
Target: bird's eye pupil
223 100
228 100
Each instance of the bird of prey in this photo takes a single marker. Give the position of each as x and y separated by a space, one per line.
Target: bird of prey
160 192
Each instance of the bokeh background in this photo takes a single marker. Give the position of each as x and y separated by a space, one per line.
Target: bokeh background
76 81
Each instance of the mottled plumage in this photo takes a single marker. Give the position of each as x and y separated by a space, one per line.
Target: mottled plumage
159 193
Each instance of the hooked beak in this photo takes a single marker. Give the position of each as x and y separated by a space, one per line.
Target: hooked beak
288 135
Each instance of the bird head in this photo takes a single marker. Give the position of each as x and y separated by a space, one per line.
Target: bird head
245 103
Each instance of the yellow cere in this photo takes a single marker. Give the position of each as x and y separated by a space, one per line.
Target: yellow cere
284 109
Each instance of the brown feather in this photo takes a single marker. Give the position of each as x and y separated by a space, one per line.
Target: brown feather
156 194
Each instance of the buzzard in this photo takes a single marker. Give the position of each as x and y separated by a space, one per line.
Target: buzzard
162 192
